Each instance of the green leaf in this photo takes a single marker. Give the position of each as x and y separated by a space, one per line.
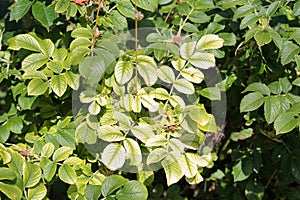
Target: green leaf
273 8
143 132
47 47
5 156
249 20
72 79
85 134
24 41
199 17
289 51
272 108
212 93
173 171
66 138
286 86
203 60
37 87
296 9
110 133
258 87
150 5
80 42
243 11
15 124
58 84
133 151
17 162
242 135
47 150
112 183
132 190
61 6
229 38
92 192
49 170
254 190
113 156
209 41
166 74
156 155
62 153
38 192
44 14
31 174
11 191
92 69
126 8
123 71
296 82
262 37
19 9
7 174
251 102
34 61
285 123
5 133
147 69
242 170
187 50
117 21
67 174
184 86
82 32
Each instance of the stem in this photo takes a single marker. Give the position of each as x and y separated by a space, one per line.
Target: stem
136 52
95 27
172 88
169 13
185 20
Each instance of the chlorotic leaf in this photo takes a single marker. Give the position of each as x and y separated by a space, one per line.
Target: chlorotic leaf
31 174
38 192
11 191
37 87
113 156
58 84
210 41
24 41
123 71
67 174
203 60
133 151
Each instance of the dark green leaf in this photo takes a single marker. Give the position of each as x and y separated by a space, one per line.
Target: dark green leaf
133 190
112 183
251 102
19 9
44 14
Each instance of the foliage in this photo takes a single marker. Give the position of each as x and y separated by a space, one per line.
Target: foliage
126 99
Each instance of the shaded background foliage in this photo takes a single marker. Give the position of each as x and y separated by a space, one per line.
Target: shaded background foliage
258 158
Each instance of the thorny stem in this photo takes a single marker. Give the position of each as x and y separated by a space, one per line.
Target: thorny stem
96 27
169 13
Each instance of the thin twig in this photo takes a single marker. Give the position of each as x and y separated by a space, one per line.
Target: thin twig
96 27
